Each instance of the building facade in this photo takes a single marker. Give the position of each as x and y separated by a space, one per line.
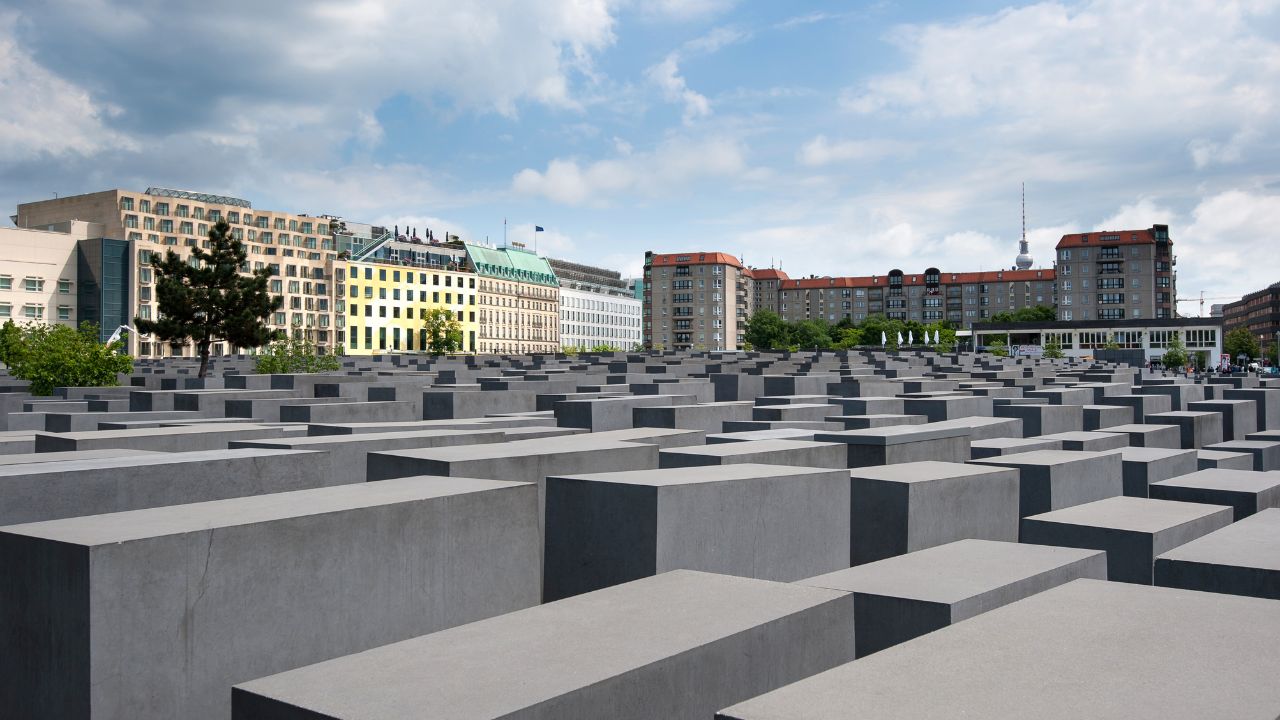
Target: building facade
597 307
698 300
518 300
1259 313
40 272
1081 338
299 250
385 304
1117 275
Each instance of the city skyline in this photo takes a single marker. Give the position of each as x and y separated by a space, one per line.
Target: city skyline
828 142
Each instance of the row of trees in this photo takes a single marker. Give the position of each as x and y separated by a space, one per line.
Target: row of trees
51 356
766 330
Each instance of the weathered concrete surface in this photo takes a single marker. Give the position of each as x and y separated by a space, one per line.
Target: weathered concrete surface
1241 559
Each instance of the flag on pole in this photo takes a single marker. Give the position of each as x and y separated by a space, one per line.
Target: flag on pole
538 228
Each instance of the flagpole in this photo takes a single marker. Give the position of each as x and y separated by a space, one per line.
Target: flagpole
504 232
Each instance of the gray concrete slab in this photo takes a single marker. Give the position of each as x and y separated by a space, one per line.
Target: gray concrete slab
1041 420
903 597
1143 466
678 645
1240 559
937 409
1096 441
984 428
1055 479
194 598
749 435
1246 491
1131 530
906 507
1195 429
1267 404
901 443
996 447
1211 459
72 488
1265 453
187 438
348 454
612 413
28 458
1141 404
768 522
795 453
1080 650
1239 417
708 417
1150 435
1100 417
862 422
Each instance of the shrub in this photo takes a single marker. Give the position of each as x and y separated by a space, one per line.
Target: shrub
294 355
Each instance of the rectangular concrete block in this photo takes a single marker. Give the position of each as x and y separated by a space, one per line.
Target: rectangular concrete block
194 598
1099 417
612 413
1055 479
996 447
1096 441
1211 459
901 443
1080 650
1265 453
170 439
47 491
903 597
796 453
348 454
1143 466
763 521
1245 491
708 417
1151 436
678 645
1239 417
1142 405
1041 420
1240 559
1195 429
902 508
984 428
1267 404
862 422
937 409
1132 531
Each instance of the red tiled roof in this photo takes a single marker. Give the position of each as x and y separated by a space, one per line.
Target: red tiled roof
768 274
1127 237
695 258
989 276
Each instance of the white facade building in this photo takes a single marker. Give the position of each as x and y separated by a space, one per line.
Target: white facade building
590 318
38 273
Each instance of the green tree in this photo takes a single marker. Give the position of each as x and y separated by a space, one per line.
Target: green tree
998 348
52 356
1175 354
1053 350
444 332
845 338
206 298
876 324
1240 342
294 355
808 334
766 330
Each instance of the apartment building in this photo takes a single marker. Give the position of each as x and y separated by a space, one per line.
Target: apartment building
597 307
1259 313
40 274
385 306
299 250
518 300
1117 275
698 300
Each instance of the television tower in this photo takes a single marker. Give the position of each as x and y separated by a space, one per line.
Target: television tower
1024 260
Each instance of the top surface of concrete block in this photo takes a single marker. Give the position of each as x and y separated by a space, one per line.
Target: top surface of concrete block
1132 514
893 434
1044 457
498 667
1087 649
699 475
923 472
1146 454
950 573
1253 542
141 460
1248 481
90 530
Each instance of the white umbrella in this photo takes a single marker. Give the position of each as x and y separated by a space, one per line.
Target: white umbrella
911 337
935 337
883 340
899 337
116 335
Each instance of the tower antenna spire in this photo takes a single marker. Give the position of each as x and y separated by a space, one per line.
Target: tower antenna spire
1024 260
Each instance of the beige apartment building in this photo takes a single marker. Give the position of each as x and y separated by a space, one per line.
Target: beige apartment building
299 250
698 300
519 296
39 272
1117 275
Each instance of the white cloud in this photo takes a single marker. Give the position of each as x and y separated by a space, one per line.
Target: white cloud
369 132
821 151
1228 246
42 114
669 167
551 242
1093 72
666 75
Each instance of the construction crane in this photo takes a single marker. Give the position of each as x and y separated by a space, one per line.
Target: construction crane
1202 298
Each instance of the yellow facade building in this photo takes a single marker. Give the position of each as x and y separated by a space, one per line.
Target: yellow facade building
383 305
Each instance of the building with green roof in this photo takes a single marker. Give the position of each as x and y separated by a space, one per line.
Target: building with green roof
519 296
511 263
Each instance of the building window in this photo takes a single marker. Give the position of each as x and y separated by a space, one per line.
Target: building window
33 284
64 312
33 311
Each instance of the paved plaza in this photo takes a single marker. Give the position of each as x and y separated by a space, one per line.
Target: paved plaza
746 536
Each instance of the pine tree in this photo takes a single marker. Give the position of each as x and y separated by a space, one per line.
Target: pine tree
206 298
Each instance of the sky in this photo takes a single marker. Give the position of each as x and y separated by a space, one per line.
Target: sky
820 137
